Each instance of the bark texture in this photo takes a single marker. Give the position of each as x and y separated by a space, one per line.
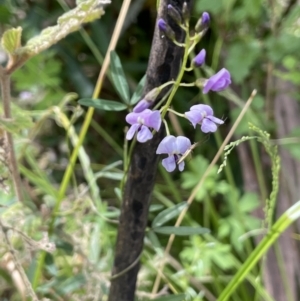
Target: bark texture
164 64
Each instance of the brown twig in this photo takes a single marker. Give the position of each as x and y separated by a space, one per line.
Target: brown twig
18 266
5 92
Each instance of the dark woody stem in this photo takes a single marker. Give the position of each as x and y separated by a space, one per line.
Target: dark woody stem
179 77
164 64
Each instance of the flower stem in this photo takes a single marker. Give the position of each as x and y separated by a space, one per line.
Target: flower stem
167 127
187 84
176 113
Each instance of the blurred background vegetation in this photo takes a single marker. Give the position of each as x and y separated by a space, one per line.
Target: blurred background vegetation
258 41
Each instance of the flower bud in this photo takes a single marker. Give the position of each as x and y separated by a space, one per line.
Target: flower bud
185 12
166 29
174 14
147 101
203 22
199 59
152 95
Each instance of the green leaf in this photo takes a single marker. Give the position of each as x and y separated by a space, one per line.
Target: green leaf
94 249
242 52
249 202
190 178
137 95
11 40
70 284
20 120
103 104
154 239
118 77
155 207
167 215
181 231
179 297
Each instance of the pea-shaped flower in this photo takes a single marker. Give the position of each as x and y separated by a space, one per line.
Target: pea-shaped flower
203 115
218 82
174 147
141 122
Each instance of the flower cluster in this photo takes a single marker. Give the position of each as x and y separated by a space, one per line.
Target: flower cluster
143 120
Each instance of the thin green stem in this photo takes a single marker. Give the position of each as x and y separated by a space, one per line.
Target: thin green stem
176 113
259 170
128 159
278 228
178 44
187 84
167 127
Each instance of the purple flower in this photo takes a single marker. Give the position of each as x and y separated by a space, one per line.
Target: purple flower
218 82
141 122
205 18
203 114
199 59
175 147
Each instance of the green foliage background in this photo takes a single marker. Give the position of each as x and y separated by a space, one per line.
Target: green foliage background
255 41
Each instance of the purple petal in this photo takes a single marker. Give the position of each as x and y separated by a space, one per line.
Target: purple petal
167 145
169 164
208 126
131 118
141 106
215 119
162 25
194 117
182 144
181 166
144 134
200 58
205 18
205 109
217 82
131 131
154 120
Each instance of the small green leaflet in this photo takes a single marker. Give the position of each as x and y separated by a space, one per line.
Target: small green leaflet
168 214
103 104
118 77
